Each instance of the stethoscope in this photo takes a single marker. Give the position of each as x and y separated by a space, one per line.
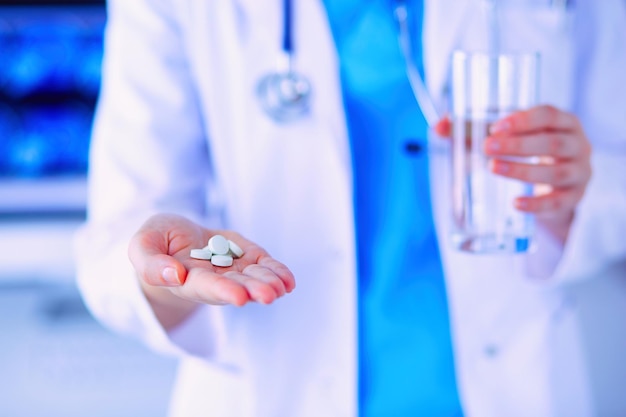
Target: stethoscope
285 94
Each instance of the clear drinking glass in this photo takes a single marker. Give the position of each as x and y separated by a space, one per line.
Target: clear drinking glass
485 88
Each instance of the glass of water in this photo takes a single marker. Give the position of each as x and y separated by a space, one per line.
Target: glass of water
485 88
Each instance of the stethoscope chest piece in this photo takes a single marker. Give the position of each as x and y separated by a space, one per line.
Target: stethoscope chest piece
284 96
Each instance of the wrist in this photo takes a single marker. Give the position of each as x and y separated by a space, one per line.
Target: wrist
169 309
557 224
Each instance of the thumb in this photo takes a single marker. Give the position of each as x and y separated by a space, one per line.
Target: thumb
148 255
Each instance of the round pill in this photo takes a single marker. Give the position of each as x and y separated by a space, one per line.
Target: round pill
201 254
222 260
235 249
218 244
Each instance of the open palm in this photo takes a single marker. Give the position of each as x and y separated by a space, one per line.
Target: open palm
160 251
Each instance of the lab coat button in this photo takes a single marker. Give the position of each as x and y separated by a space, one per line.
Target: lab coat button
412 147
491 351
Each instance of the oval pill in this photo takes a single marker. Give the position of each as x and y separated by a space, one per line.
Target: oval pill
201 254
218 244
235 249
222 260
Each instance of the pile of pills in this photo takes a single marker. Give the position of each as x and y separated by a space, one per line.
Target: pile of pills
220 251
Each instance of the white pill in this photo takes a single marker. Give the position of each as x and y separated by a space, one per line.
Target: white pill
201 254
235 249
222 260
218 244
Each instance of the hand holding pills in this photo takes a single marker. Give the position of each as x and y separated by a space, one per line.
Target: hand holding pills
172 252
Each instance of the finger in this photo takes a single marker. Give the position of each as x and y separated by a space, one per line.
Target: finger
555 144
147 252
257 289
444 127
205 286
536 119
281 271
267 276
558 200
562 174
254 254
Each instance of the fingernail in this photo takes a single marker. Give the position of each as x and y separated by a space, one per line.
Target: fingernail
500 126
170 275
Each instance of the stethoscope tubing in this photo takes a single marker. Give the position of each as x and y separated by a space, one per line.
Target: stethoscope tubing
416 81
287 44
282 108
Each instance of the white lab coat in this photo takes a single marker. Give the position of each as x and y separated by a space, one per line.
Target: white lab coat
179 130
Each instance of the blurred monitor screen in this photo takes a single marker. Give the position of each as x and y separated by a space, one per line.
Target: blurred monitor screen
50 56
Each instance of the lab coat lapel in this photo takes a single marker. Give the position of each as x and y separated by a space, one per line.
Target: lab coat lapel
246 137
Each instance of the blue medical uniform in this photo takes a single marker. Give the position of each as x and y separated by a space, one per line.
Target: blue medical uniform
406 363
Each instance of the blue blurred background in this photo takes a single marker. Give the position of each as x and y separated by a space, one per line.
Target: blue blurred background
49 81
55 360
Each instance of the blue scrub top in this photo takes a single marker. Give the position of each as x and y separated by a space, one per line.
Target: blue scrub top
406 364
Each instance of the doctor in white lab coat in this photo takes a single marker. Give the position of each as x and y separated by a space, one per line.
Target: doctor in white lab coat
178 130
